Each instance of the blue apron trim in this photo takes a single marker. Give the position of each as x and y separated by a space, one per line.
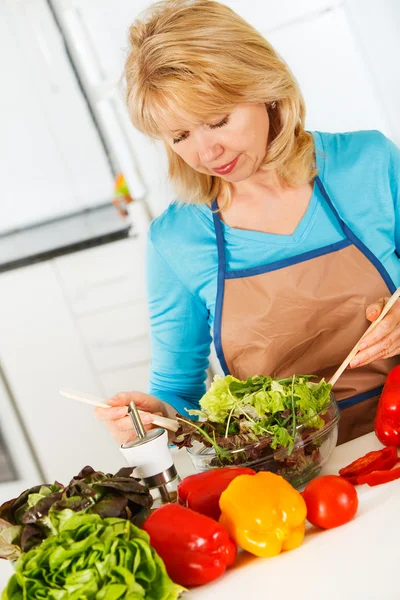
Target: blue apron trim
287 262
220 288
220 237
360 398
357 242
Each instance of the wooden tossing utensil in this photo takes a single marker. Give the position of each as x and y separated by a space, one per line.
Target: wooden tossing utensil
163 422
352 354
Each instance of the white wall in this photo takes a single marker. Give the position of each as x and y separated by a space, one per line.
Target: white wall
376 27
51 158
340 52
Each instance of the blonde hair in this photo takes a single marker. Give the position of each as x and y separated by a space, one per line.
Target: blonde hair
199 58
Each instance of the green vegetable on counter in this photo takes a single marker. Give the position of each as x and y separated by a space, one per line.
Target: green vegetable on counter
93 559
27 520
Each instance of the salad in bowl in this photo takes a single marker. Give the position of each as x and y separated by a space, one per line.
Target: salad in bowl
287 426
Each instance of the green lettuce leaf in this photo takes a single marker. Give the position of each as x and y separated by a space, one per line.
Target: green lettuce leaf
9 534
95 559
269 402
281 437
219 400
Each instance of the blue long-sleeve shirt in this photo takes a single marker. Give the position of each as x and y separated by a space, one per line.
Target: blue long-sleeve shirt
361 173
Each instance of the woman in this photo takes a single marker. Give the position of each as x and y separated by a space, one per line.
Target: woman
283 243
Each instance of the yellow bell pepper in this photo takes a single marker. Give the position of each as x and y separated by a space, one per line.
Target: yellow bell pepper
263 513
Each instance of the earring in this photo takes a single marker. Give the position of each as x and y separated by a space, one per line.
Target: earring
273 104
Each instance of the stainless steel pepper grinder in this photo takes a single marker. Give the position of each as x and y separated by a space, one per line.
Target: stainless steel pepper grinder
149 453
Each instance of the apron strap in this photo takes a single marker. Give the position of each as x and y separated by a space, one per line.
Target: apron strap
220 237
219 233
356 241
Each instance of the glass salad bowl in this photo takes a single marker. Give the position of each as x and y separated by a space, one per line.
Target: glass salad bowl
298 465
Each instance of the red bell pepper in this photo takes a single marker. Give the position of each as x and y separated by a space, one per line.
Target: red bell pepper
378 477
201 492
387 420
382 459
194 548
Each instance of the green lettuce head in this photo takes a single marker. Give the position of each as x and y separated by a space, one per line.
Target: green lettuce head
94 559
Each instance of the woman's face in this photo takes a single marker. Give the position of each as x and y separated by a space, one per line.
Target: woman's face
230 146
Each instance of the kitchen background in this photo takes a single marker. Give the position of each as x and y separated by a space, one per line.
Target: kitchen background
72 289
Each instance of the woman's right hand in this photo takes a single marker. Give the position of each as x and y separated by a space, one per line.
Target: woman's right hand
119 422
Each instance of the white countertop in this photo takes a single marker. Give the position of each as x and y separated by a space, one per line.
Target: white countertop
358 561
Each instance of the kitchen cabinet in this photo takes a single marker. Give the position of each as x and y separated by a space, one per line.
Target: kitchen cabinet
125 379
106 292
67 323
117 337
42 351
104 277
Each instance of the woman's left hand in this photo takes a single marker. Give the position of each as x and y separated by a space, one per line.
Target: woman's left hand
384 340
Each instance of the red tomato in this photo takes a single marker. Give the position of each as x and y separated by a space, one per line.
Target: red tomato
331 501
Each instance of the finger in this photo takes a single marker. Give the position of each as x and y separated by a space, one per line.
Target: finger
110 414
386 347
374 310
125 424
143 401
147 417
114 415
385 327
120 399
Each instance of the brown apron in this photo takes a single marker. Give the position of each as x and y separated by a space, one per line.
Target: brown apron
303 315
